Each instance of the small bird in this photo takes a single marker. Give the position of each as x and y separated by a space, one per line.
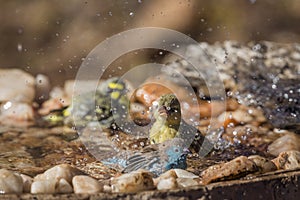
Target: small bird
107 104
169 124
156 158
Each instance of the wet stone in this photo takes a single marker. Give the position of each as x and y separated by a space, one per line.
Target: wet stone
57 179
10 182
27 182
86 185
263 164
167 184
288 142
235 168
135 181
288 160
22 89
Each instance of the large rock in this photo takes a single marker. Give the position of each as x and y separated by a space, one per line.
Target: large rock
235 168
16 85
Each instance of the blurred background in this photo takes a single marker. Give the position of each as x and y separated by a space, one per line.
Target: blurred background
52 37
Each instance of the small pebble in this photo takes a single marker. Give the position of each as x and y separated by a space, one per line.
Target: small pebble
288 160
57 179
288 142
187 182
184 174
135 181
16 86
235 168
10 182
167 175
63 187
167 184
57 172
264 165
15 111
43 187
85 184
27 181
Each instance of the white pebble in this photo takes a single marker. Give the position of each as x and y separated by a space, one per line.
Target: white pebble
184 174
43 187
27 181
16 85
86 184
57 179
187 182
136 181
63 187
57 172
168 174
10 182
167 184
288 142
15 111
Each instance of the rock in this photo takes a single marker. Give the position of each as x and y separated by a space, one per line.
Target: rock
166 181
86 184
27 181
10 112
16 86
235 168
106 188
43 187
135 181
288 160
167 184
288 142
57 172
167 175
10 182
184 174
63 187
239 116
150 92
264 165
51 187
175 178
187 182
57 179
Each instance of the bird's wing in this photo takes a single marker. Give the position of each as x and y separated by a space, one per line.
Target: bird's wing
149 161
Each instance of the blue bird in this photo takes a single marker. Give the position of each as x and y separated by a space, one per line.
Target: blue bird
156 158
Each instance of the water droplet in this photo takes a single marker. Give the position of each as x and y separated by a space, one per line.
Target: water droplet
274 86
131 14
19 47
110 13
20 31
7 105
